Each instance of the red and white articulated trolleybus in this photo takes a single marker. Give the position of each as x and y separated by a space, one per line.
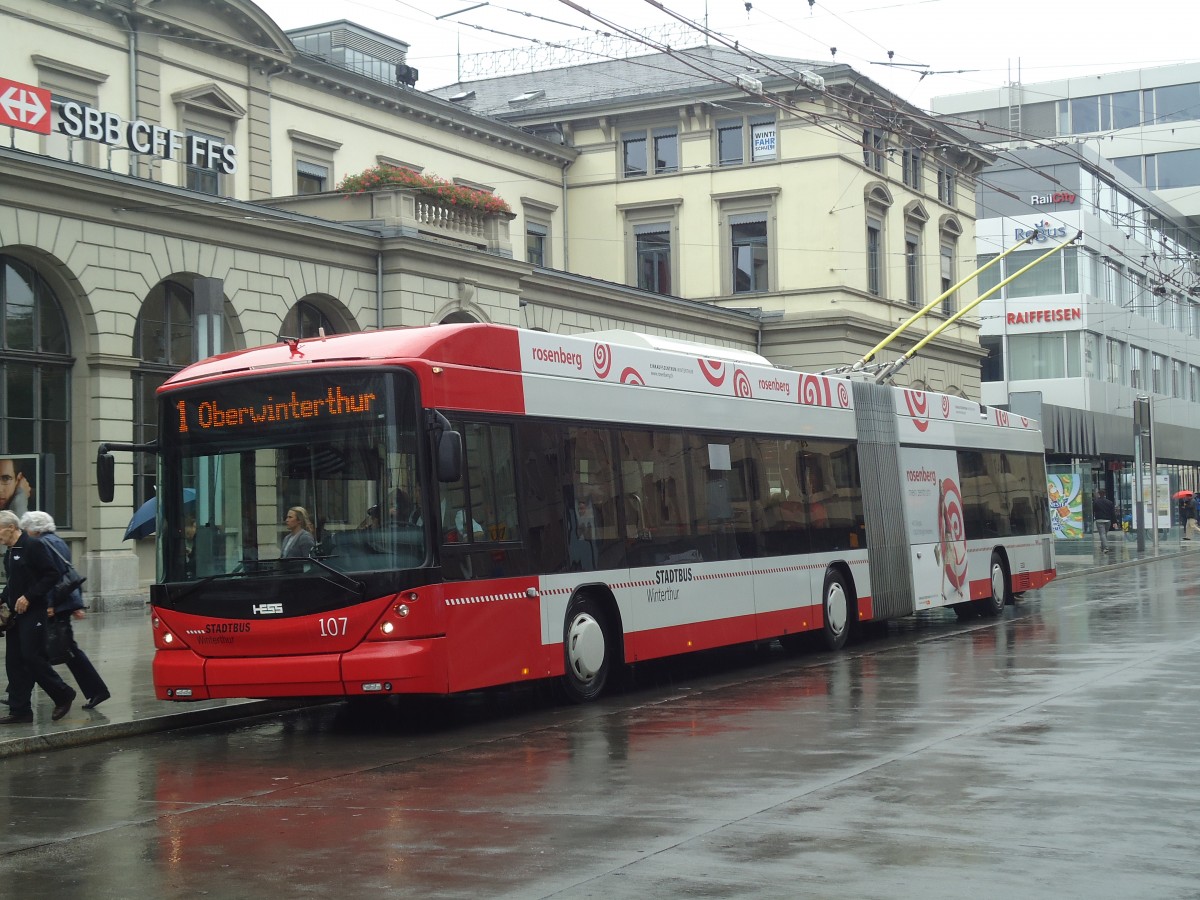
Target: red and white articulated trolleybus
494 505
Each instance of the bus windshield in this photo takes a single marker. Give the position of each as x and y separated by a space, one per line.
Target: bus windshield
309 473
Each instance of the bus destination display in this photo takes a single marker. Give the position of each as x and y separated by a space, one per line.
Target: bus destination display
270 405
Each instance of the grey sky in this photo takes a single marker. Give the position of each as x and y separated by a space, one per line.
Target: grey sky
1038 40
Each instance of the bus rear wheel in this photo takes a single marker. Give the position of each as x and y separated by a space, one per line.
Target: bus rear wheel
587 650
837 602
998 578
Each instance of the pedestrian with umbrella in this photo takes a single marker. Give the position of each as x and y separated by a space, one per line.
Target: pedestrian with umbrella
1187 513
145 519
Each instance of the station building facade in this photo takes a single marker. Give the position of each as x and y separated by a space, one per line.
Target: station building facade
182 202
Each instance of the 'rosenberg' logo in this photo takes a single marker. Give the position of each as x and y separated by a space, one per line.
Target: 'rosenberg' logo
267 609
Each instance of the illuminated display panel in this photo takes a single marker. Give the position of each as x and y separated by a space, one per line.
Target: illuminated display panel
275 406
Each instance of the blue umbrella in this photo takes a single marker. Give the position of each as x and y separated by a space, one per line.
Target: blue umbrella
143 522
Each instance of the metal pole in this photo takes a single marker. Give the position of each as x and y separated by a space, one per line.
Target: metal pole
1150 451
1141 409
933 304
1137 488
894 368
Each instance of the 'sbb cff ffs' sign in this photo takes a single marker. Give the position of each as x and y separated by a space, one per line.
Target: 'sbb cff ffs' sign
24 106
30 108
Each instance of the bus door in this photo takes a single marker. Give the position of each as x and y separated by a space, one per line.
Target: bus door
935 517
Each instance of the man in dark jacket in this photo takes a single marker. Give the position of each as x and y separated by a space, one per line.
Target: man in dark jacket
31 577
1103 513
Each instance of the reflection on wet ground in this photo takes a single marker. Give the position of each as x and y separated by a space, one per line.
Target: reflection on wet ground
1049 754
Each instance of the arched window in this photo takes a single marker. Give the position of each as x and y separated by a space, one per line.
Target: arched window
165 341
306 320
35 394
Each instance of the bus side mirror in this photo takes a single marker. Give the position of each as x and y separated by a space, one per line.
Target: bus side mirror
105 476
449 456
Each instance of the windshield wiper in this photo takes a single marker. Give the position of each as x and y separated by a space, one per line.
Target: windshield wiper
357 585
251 567
208 579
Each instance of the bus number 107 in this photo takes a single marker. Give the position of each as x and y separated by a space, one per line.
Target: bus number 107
334 627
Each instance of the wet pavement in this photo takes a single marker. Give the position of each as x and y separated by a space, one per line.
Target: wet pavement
119 644
1051 753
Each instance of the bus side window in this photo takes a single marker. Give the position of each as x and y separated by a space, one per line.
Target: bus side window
543 478
486 497
590 500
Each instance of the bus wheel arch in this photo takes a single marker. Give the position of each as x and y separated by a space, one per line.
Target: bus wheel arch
839 604
592 645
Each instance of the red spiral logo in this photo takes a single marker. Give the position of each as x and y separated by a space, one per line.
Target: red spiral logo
602 360
713 370
632 376
741 384
918 408
843 396
814 390
945 407
952 534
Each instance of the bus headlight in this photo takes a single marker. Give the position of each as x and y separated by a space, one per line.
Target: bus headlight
402 610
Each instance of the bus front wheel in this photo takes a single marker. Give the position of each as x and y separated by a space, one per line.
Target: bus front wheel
837 604
586 650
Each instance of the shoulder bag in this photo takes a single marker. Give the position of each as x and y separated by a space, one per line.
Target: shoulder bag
69 581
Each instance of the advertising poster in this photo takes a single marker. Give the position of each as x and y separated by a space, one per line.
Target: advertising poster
933 509
1163 517
1066 506
18 483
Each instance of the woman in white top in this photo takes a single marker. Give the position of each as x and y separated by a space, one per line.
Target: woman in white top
299 541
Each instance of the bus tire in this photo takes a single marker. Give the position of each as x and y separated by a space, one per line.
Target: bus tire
837 602
998 579
587 650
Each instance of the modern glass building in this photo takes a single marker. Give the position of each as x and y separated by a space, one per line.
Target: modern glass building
1113 318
